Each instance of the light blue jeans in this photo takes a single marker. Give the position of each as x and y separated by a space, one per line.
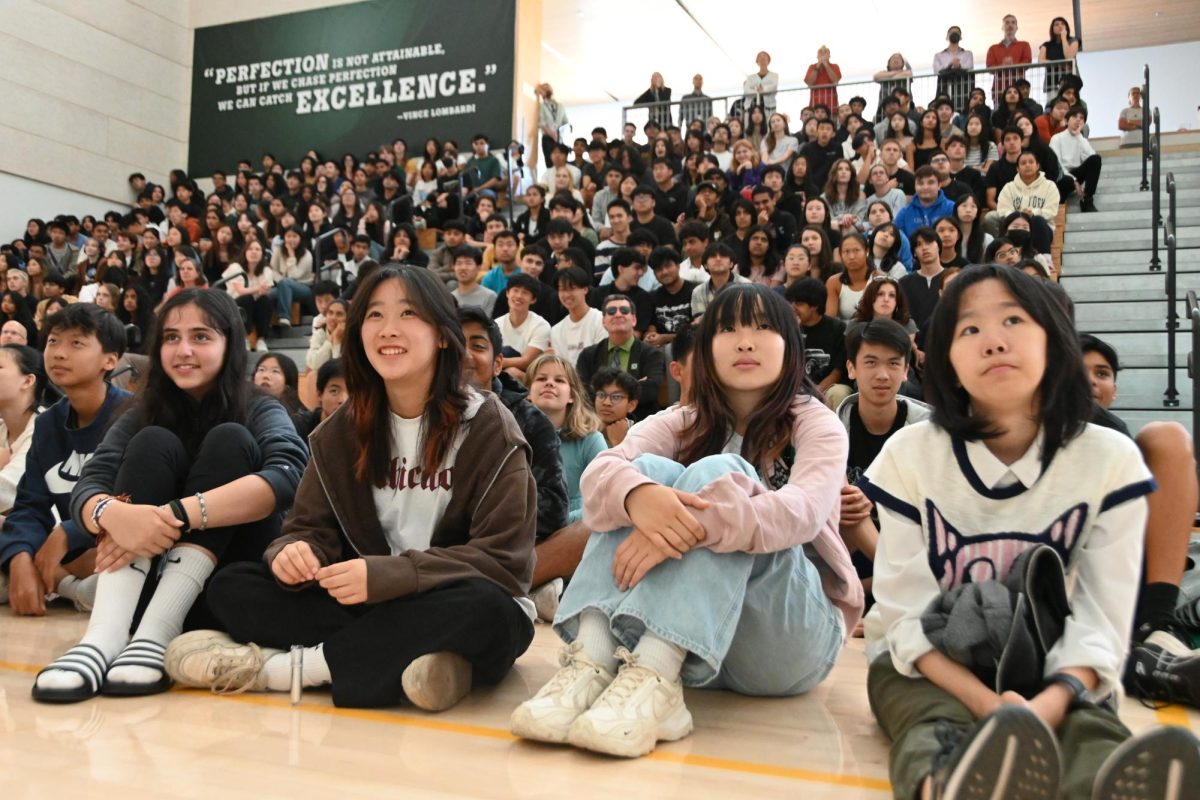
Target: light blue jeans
288 291
755 624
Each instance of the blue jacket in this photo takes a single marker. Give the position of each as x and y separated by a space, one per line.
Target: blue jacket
56 459
914 215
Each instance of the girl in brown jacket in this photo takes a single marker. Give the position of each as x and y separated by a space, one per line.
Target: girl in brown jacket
404 566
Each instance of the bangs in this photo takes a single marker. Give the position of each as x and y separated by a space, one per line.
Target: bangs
750 306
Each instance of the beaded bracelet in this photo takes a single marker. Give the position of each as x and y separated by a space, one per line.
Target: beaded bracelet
203 512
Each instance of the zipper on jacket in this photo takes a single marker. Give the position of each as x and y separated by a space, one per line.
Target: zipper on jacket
329 499
491 483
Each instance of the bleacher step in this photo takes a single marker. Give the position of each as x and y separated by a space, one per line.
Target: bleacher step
1134 239
1124 220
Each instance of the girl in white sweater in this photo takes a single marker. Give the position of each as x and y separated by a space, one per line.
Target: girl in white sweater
1008 463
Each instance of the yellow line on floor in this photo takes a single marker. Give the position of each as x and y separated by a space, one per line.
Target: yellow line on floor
483 731
1172 715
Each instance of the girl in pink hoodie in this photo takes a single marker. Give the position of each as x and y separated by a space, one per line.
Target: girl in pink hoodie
716 560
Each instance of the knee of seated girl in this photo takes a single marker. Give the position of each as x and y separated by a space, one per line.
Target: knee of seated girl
708 469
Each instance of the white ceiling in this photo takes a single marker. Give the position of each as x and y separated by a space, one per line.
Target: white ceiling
596 50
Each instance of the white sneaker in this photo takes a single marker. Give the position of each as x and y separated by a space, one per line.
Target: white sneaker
637 710
545 599
261 346
213 660
548 715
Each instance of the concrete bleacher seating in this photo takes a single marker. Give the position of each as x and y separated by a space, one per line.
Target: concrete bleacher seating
1105 268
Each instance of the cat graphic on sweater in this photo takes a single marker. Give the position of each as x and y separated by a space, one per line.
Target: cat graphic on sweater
956 558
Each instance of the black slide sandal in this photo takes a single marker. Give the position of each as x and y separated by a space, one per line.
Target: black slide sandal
139 653
85 661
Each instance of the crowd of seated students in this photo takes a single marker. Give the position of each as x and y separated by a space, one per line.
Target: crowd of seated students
689 363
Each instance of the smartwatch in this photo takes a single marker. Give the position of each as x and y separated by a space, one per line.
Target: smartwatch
1078 690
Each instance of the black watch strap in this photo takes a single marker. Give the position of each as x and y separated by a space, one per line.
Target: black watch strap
1080 692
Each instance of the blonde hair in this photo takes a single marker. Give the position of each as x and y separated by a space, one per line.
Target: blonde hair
754 159
581 419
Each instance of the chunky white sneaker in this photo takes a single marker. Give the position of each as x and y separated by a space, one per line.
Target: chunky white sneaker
436 681
213 660
637 710
545 599
548 715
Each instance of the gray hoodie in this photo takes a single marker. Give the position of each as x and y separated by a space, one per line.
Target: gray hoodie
917 411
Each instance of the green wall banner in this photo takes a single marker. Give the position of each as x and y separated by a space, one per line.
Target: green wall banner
349 78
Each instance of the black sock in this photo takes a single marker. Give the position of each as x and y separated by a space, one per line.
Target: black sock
1156 604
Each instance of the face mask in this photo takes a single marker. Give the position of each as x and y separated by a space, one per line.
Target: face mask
955 38
1019 237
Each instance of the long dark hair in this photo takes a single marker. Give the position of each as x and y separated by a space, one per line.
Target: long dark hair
865 312
1065 397
892 256
825 264
143 318
769 429
163 403
972 247
433 304
770 260
29 362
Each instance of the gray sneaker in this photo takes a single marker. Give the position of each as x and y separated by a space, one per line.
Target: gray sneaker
1162 763
1009 755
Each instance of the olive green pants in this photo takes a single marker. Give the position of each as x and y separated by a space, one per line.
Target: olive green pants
917 716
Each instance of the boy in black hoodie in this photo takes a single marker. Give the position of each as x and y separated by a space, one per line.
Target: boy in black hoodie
483 371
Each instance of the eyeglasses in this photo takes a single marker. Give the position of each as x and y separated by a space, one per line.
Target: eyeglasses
615 397
612 311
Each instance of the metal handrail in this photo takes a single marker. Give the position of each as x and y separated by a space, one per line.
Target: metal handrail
1145 128
1193 372
1171 396
924 87
1156 188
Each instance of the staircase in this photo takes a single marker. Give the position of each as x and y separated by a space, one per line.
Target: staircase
1105 269
291 342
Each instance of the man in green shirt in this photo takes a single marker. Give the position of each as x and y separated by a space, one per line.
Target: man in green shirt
482 174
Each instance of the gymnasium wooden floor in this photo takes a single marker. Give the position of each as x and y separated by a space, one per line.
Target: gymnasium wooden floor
192 744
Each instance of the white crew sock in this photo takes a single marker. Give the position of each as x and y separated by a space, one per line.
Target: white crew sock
599 645
183 577
662 656
80 591
278 670
117 595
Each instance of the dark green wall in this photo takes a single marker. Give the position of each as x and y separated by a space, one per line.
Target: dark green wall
275 84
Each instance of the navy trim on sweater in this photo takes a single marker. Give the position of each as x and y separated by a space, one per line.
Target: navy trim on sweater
888 500
1127 493
964 464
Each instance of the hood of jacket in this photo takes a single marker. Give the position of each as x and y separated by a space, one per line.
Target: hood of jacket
509 390
917 411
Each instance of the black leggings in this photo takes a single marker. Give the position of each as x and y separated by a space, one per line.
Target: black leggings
156 469
1088 175
257 310
368 647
